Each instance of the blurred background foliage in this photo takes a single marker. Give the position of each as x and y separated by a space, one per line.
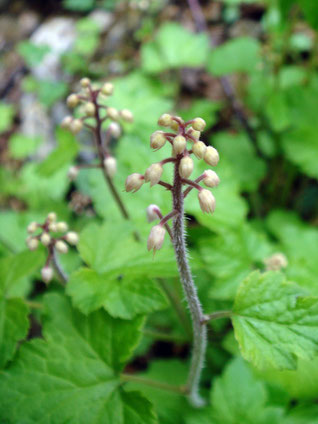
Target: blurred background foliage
250 69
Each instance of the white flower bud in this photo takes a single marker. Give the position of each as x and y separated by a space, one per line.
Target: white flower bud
199 149
47 274
61 246
76 126
165 120
66 123
211 156
71 238
276 262
198 124
89 109
114 129
127 115
107 89
45 239
53 227
153 212
32 227
52 217
174 124
110 165
134 182
195 134
179 144
206 200
85 82
153 173
156 238
113 113
72 100
72 173
157 140
32 243
186 167
61 227
211 178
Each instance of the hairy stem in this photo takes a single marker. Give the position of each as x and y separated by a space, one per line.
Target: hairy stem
199 330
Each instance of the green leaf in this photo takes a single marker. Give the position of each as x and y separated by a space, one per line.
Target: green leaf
74 372
299 242
121 271
277 111
60 157
7 114
174 47
310 9
123 297
238 397
21 146
231 256
237 55
13 311
239 152
302 414
14 326
273 323
32 54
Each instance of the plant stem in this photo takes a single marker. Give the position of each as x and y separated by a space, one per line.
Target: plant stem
109 181
58 268
199 331
159 335
152 383
216 315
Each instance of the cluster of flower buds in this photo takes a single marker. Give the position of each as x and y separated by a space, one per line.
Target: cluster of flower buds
54 236
93 113
184 138
276 262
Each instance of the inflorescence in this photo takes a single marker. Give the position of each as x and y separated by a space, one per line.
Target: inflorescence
183 135
52 241
93 115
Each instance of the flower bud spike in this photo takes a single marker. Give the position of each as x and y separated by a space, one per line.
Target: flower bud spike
112 113
193 133
114 129
157 140
61 246
156 238
153 213
127 115
134 182
52 217
186 167
179 144
61 227
153 174
206 200
89 109
72 238
211 156
199 149
107 89
276 262
76 126
45 239
165 120
198 124
72 173
210 178
85 82
66 123
32 227
110 165
47 274
32 243
72 100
